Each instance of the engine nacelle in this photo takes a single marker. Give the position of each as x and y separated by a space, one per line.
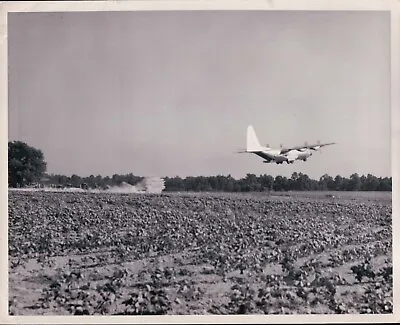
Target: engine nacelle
292 156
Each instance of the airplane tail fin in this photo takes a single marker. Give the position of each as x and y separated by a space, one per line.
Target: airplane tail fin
252 142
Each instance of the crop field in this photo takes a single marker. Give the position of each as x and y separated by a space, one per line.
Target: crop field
138 254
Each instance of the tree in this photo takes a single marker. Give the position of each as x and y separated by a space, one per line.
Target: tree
354 183
372 183
229 183
338 182
26 164
280 183
267 182
175 184
251 183
303 182
326 182
76 181
385 184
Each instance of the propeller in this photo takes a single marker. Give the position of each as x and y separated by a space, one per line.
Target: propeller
316 147
320 152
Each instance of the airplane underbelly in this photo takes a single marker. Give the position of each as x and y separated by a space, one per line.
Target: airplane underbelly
303 155
264 155
271 156
280 158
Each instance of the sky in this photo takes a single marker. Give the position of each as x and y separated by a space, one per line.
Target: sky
172 93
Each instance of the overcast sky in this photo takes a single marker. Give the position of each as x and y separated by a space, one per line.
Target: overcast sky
172 93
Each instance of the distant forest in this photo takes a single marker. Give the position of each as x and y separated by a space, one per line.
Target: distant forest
27 167
298 182
250 183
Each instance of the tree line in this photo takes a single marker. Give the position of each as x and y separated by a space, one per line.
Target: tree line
92 182
27 167
262 183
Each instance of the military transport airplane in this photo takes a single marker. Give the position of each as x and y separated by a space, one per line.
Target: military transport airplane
281 155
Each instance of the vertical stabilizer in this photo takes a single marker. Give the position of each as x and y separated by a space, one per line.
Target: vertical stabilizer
252 141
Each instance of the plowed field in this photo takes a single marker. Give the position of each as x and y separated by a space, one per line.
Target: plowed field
113 254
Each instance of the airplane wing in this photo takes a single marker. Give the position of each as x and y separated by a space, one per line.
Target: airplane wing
320 145
312 147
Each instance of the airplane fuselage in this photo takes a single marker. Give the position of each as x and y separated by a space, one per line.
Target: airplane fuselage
274 155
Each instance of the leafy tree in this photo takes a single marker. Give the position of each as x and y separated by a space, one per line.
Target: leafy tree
26 164
175 184
281 184
76 181
385 184
372 183
326 183
338 182
303 182
267 182
354 183
229 184
91 181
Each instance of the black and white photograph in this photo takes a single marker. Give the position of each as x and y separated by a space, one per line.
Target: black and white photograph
199 162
